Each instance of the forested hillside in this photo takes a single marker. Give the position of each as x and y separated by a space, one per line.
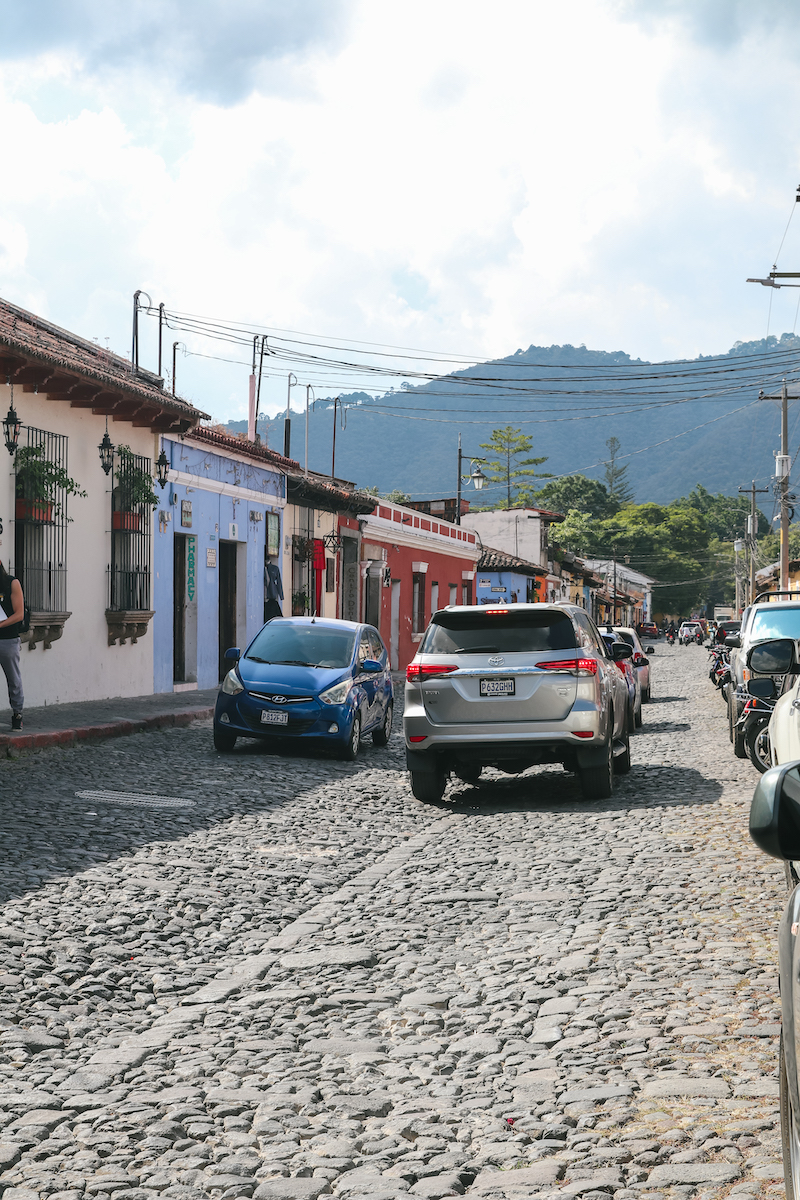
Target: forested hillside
678 423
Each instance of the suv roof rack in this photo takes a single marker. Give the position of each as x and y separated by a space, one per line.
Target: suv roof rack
795 592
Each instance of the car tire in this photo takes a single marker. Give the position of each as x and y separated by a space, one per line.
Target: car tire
622 762
468 772
428 786
637 724
381 735
353 744
646 696
731 703
597 783
756 740
790 1136
223 740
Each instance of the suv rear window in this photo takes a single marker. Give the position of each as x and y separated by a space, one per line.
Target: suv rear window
509 633
769 622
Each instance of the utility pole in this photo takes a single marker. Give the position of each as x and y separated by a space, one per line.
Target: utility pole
782 472
614 602
333 452
161 319
309 388
752 532
287 424
256 437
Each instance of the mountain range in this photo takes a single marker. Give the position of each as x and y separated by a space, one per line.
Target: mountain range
679 423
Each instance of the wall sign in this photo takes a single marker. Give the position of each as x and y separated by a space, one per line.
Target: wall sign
273 535
211 557
498 589
186 514
484 583
191 568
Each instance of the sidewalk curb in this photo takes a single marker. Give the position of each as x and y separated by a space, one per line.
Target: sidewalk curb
14 744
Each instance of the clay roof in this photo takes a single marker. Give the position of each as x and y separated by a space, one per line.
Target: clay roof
240 446
498 560
40 356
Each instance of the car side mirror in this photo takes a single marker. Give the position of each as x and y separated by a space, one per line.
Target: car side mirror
371 666
763 688
620 650
772 658
650 650
775 812
645 661
233 654
733 641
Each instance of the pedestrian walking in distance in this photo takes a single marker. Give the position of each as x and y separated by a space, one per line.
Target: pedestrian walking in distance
12 614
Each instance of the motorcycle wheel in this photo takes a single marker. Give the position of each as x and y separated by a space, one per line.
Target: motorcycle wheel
758 746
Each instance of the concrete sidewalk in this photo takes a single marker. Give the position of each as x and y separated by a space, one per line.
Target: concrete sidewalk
67 724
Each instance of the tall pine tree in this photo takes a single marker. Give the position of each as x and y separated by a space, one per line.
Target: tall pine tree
508 444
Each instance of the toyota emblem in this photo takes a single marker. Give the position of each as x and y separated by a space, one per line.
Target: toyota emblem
497 660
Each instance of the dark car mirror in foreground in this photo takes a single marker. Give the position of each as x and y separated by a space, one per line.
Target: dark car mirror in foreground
733 641
371 666
649 649
233 654
764 688
775 812
620 650
772 658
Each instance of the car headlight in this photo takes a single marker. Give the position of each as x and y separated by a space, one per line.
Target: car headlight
232 684
338 693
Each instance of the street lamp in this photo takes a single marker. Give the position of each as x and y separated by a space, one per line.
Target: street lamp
162 469
106 449
476 477
11 425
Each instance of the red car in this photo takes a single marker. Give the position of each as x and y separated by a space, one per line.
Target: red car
648 630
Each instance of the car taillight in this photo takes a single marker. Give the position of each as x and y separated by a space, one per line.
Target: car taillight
582 733
416 670
581 666
496 612
418 737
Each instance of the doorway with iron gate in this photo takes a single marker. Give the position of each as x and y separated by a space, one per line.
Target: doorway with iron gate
179 608
227 602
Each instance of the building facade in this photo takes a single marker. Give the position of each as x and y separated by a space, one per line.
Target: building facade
77 525
505 579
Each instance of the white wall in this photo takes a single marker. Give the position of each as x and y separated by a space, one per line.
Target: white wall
81 665
517 531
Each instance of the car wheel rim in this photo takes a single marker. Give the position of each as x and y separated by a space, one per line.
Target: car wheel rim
762 749
387 722
355 736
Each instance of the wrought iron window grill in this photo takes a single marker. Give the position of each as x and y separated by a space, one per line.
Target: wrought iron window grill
129 573
40 527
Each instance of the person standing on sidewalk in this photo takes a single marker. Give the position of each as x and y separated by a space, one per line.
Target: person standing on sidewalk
12 614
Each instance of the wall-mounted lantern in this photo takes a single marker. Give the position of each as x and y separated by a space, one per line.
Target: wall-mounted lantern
106 449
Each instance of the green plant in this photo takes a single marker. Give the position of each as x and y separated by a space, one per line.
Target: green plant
135 485
38 479
300 601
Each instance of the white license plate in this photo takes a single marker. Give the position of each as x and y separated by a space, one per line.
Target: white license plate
274 718
497 687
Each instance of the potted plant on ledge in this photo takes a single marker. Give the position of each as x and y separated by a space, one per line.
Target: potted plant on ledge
37 485
134 489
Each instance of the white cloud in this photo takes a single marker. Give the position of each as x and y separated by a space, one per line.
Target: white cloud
446 175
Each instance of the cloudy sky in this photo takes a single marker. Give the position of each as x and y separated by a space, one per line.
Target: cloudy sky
456 175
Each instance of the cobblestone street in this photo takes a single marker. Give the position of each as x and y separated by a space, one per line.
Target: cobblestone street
253 975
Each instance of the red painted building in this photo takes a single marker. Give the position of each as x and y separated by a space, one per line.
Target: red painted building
410 565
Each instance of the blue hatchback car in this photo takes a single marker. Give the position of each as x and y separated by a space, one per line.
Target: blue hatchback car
308 679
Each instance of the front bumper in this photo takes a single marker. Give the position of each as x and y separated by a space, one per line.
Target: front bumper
241 715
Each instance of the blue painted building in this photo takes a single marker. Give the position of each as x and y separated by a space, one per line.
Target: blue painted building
219 523
505 579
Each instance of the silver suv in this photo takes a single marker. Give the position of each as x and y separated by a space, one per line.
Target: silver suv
511 687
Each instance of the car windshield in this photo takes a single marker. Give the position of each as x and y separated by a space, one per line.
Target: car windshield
769 622
303 645
508 632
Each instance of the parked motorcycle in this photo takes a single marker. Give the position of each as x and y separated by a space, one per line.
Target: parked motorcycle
754 722
719 671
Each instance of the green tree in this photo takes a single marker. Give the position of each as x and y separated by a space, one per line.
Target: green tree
725 516
617 485
507 445
572 493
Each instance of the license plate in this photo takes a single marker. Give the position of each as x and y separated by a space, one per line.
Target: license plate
497 687
274 718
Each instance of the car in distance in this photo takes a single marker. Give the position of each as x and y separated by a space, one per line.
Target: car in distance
308 680
761 622
640 660
775 828
511 687
625 668
648 629
688 632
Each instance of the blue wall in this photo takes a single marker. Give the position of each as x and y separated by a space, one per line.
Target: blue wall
211 516
510 580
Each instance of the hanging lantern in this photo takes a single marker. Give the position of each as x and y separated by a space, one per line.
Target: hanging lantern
11 428
106 449
162 469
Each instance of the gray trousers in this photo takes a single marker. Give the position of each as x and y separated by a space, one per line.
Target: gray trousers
9 661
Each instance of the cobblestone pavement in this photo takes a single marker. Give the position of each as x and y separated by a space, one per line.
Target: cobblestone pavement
263 976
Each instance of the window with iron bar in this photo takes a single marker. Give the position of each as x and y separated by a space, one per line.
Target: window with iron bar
40 527
129 573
